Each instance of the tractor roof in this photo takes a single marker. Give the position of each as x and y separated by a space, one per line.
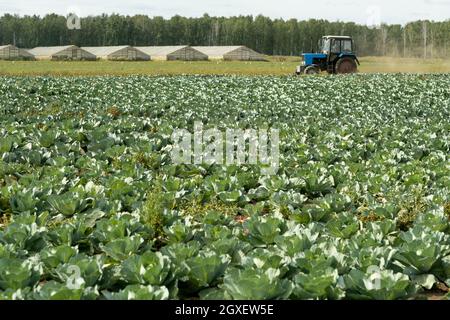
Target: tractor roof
338 37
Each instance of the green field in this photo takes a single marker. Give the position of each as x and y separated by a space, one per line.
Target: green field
275 66
93 205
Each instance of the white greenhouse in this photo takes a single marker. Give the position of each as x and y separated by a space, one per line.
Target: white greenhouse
10 52
170 53
61 53
239 53
120 53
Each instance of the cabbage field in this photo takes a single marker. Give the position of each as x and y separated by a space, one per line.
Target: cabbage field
93 207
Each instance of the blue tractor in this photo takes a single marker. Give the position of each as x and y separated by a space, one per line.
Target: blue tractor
336 56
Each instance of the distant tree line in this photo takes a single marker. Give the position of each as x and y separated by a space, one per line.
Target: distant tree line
269 36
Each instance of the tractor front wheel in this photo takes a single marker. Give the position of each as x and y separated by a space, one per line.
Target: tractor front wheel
311 70
346 65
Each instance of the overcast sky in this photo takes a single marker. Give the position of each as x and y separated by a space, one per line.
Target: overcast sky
362 11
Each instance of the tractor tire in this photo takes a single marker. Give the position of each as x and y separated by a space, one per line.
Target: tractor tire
346 65
311 70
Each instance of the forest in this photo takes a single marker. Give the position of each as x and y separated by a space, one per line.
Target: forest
427 39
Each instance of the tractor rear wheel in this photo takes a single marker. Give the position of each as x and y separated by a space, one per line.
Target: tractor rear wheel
346 65
311 70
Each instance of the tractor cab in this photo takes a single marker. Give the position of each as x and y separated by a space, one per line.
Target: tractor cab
336 55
